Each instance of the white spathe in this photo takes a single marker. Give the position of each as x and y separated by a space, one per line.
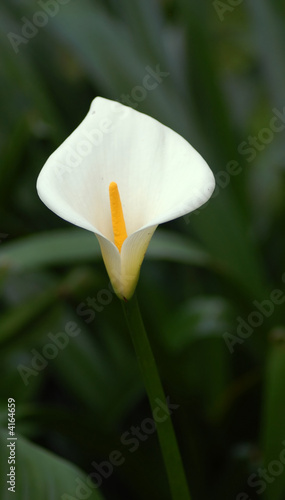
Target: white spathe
160 177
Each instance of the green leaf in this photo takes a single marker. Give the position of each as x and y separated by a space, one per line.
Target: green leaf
28 88
222 226
273 431
268 32
167 245
14 320
70 246
197 319
57 247
41 474
198 343
107 361
104 47
12 153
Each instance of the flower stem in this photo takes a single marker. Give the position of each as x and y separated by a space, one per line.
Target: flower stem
167 439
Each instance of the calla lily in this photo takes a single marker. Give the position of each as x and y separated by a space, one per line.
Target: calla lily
119 175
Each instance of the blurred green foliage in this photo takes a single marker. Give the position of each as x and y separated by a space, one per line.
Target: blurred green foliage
220 347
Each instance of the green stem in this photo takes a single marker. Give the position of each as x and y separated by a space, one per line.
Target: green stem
167 439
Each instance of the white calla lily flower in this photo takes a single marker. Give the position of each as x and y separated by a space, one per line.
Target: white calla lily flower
119 175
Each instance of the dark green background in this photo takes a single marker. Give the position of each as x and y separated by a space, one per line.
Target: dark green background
203 276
